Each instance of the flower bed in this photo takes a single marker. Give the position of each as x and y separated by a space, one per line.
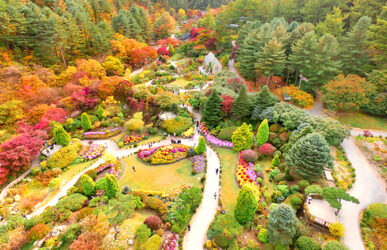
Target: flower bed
189 133
212 139
164 154
115 167
198 163
146 152
94 151
101 134
245 172
132 139
171 242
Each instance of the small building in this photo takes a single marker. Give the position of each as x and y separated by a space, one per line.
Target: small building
186 36
212 64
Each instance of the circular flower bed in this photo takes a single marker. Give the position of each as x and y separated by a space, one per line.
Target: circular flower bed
129 139
198 163
114 166
164 154
245 172
94 151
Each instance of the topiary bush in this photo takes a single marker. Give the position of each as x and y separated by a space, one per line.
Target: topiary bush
88 185
334 245
294 189
303 184
72 202
65 155
263 236
226 133
156 204
313 189
306 243
296 202
249 155
153 222
177 125
267 149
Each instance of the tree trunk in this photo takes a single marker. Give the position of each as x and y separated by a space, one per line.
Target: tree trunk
117 231
63 58
295 79
267 81
287 77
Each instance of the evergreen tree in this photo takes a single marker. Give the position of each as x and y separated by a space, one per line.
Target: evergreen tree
263 100
270 60
377 39
246 205
245 29
353 49
146 27
61 136
263 133
212 110
88 185
309 155
334 196
333 23
241 105
276 161
100 113
282 225
85 122
111 186
242 138
201 147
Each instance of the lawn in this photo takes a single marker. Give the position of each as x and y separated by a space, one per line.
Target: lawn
158 178
137 218
176 57
229 187
362 120
180 82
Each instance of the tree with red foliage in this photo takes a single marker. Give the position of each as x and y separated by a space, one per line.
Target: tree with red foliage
84 98
195 32
162 51
227 104
168 42
153 222
3 175
52 114
87 240
132 103
267 149
123 90
210 44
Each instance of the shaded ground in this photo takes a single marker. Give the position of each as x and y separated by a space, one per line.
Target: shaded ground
362 120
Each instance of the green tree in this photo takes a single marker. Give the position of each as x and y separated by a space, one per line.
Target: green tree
276 161
282 225
354 53
212 110
270 60
377 39
111 186
334 196
263 133
100 113
242 138
333 23
334 245
201 147
306 243
11 112
224 230
241 105
309 155
263 100
61 136
246 205
85 121
88 185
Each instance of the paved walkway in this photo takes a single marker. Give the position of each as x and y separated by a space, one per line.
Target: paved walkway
317 107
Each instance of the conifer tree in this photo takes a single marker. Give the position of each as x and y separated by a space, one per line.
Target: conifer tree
282 225
309 155
212 109
263 133
270 60
85 122
333 23
111 186
354 55
61 136
241 105
263 100
242 138
377 39
201 147
246 205
88 185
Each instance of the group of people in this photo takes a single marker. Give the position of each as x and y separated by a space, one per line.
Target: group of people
175 141
49 146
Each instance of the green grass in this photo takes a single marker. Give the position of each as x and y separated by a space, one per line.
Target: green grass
137 218
229 187
362 120
176 57
158 178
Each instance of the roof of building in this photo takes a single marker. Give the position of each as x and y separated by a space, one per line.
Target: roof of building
185 36
210 58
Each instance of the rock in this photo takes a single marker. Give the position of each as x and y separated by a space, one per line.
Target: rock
17 197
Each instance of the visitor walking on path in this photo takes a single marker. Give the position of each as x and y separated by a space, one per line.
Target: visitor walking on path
215 195
189 227
217 170
134 169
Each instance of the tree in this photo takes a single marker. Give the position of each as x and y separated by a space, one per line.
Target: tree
282 225
333 23
347 93
336 229
201 147
263 133
11 112
242 138
263 100
85 121
334 245
227 104
241 105
224 230
309 155
276 161
113 66
88 185
246 205
212 110
334 196
61 136
111 186
306 243
164 25
354 53
100 113
270 60
377 39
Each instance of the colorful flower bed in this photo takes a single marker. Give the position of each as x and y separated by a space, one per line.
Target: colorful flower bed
146 152
115 167
94 151
101 134
171 242
198 163
130 139
245 172
188 133
164 154
212 139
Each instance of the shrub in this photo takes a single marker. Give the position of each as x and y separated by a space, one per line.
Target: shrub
72 202
226 133
126 190
201 147
70 235
296 202
279 177
142 234
284 136
263 236
313 189
177 125
101 184
284 190
336 229
111 186
65 155
274 128
249 155
156 204
334 245
39 231
88 185
276 161
87 240
306 243
54 184
303 184
153 242
273 173
373 212
242 138
153 222
83 213
263 133
191 151
267 149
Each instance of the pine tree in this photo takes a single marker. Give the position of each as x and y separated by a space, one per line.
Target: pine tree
276 161
333 23
334 196
100 113
242 138
263 100
85 122
246 205
61 136
282 225
353 49
246 29
201 147
146 27
263 133
241 105
88 185
377 39
111 186
212 109
270 60
309 155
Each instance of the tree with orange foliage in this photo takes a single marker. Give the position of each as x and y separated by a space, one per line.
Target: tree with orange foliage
347 93
34 115
87 240
92 67
164 25
122 46
142 56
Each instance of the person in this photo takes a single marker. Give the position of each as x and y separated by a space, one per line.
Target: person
217 170
189 228
215 195
134 169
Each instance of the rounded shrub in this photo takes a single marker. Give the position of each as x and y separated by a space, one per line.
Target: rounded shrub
249 155
306 243
294 189
263 236
334 245
313 189
153 222
267 149
303 184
